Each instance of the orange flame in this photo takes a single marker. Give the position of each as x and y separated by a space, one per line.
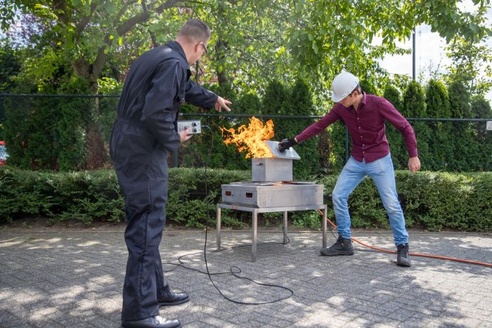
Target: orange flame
251 138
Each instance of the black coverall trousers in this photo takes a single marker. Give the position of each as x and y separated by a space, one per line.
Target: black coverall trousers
141 167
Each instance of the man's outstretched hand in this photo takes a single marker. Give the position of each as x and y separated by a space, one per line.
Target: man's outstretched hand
286 144
222 103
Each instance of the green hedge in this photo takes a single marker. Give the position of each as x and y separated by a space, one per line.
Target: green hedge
431 200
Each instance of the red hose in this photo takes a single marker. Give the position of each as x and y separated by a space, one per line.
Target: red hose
439 257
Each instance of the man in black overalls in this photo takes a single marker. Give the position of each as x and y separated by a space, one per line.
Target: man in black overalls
144 133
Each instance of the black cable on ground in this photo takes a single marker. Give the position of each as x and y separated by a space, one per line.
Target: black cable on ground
234 270
244 278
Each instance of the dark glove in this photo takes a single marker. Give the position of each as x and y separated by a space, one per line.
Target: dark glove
286 144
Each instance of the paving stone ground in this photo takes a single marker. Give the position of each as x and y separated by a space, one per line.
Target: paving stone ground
73 278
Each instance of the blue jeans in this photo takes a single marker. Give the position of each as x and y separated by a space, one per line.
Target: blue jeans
382 173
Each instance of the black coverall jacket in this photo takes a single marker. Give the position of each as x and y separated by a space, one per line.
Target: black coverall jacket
144 133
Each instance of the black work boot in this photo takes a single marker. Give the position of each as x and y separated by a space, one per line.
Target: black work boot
169 298
403 259
342 246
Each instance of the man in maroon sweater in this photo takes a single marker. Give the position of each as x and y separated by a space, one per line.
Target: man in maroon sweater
364 116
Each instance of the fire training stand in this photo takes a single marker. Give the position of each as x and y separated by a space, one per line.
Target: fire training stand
255 210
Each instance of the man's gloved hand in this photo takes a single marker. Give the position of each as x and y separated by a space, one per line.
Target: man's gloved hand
286 144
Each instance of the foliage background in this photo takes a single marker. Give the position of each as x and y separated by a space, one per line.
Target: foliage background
269 58
49 132
430 200
253 42
63 63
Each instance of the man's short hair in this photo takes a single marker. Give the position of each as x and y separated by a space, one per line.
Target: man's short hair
195 29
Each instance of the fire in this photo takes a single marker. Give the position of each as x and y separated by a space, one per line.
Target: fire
251 138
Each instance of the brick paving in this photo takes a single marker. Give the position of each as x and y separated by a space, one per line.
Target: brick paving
73 278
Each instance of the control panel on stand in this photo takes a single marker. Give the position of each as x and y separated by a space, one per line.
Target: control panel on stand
195 126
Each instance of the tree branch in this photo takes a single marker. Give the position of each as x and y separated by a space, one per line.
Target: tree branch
166 5
96 68
152 35
86 19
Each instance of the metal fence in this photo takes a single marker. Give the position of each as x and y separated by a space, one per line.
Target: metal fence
444 142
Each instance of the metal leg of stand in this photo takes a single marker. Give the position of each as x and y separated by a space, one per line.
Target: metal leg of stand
255 212
285 227
324 224
255 230
218 227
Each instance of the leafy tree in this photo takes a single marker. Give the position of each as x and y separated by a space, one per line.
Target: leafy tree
437 100
254 42
9 67
321 36
410 105
471 142
471 65
482 109
422 134
275 100
301 103
369 87
413 101
248 43
459 98
77 39
393 95
394 137
440 142
83 33
325 35
413 106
